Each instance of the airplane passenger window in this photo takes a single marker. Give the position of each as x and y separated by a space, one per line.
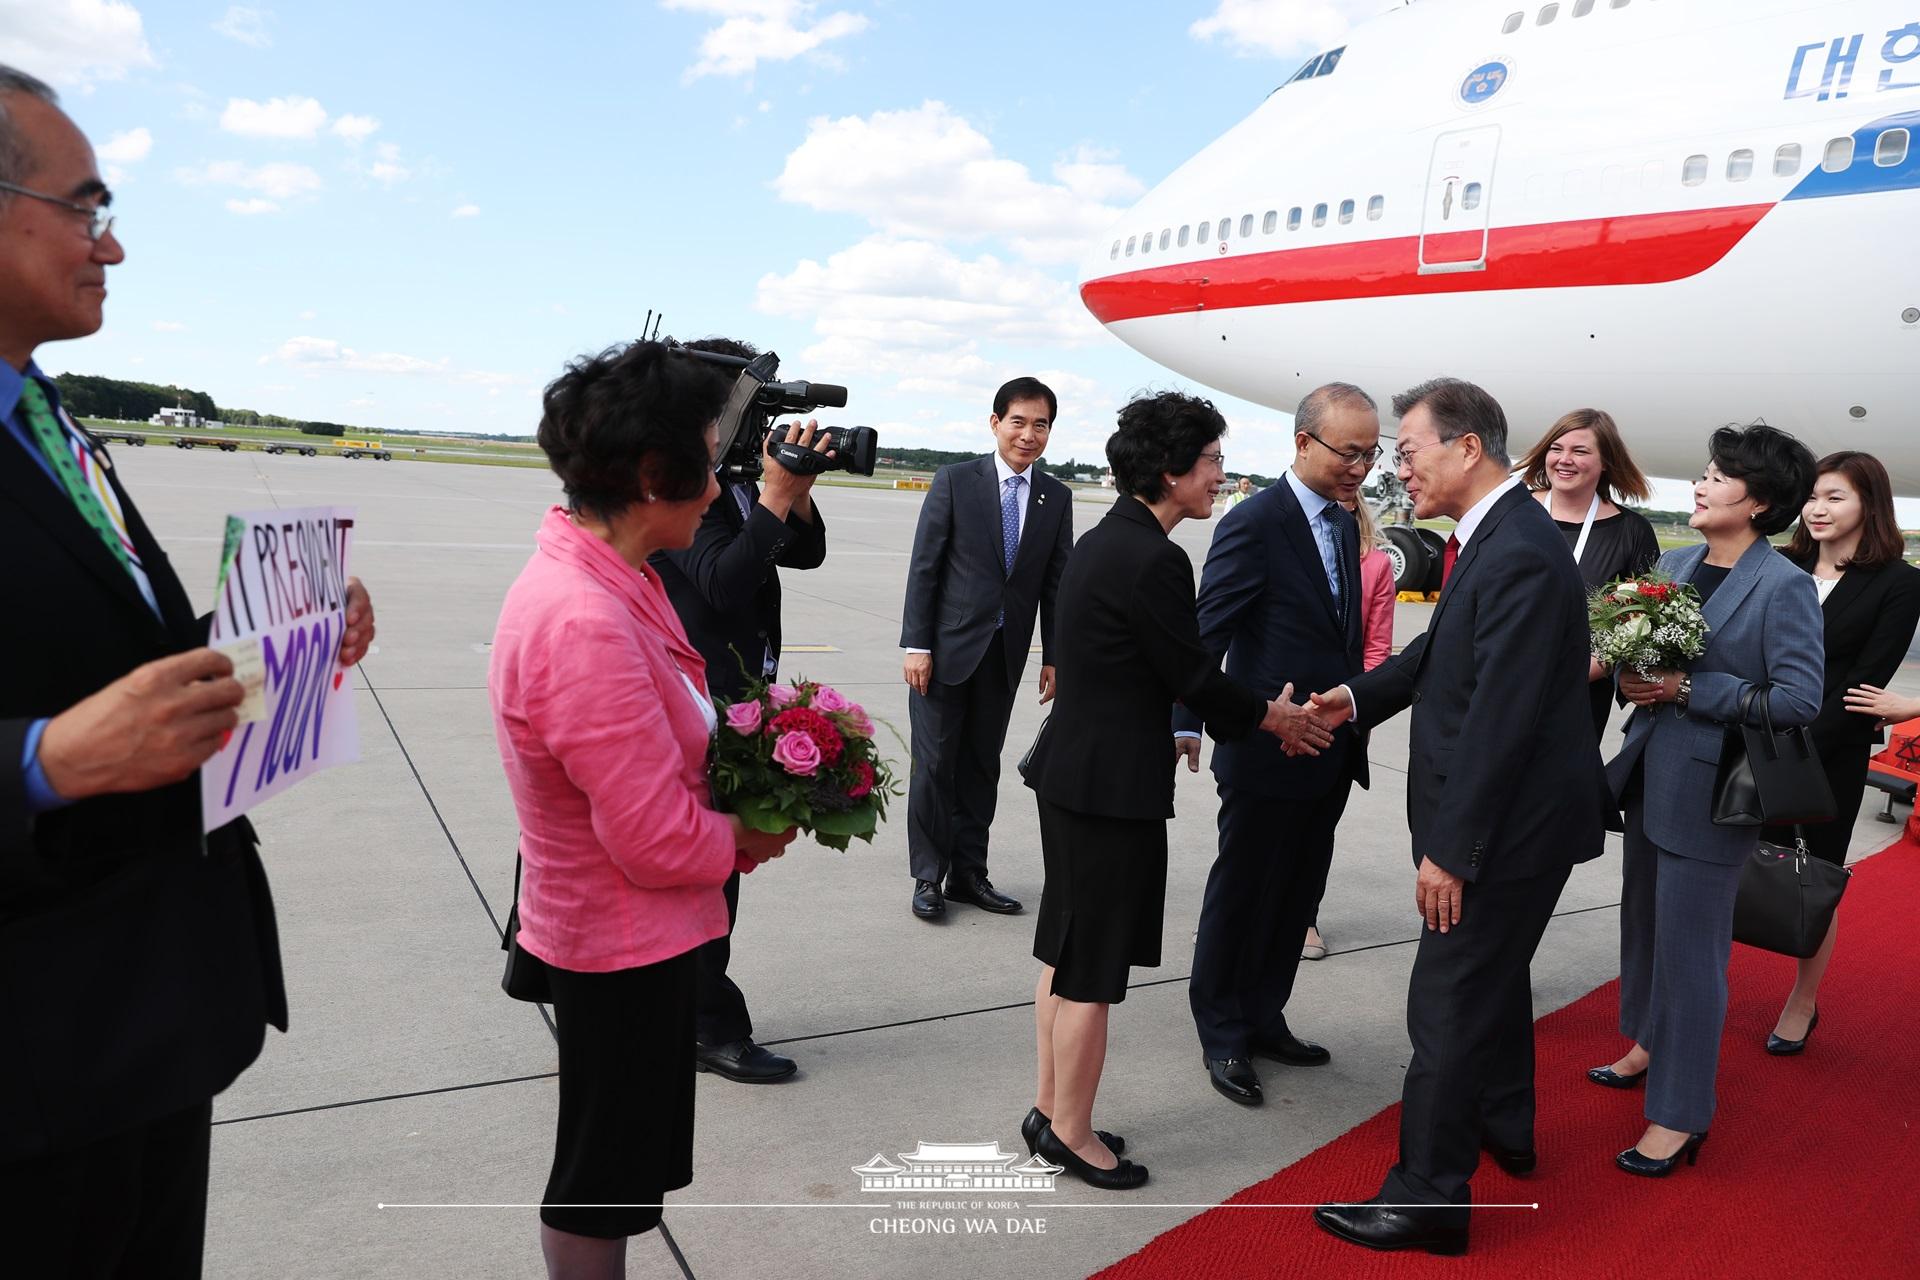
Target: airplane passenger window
1470 196
1226 227
1375 207
1621 4
1694 171
1346 211
1319 215
1270 223
1204 234
1183 237
1293 218
1512 24
1740 165
1130 244
1582 8
1166 238
1246 225
1548 12
1891 149
1146 242
1786 161
1839 154
1116 250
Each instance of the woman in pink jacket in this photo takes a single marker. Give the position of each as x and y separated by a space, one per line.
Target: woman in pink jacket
601 711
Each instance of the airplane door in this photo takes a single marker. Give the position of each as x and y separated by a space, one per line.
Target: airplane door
1453 226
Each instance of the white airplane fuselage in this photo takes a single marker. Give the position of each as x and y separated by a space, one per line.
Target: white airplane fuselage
1684 213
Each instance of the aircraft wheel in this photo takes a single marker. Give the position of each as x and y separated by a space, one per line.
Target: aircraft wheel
1407 553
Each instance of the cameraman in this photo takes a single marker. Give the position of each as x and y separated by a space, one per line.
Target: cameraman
726 589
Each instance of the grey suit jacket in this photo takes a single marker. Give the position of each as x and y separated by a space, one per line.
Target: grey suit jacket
1764 627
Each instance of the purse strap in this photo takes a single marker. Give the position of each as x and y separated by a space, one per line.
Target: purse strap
508 934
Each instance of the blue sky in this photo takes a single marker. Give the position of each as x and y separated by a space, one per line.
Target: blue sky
409 216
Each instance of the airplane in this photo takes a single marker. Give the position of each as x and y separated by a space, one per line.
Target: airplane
1686 214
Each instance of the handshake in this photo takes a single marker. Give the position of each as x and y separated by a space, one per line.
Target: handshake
1302 727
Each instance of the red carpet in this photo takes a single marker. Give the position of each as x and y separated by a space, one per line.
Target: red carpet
1809 1169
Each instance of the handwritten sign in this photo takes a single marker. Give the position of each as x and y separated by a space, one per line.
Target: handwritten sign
280 609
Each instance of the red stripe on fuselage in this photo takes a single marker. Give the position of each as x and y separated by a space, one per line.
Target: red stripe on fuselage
1643 248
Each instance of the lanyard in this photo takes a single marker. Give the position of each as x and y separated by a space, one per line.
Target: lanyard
1593 509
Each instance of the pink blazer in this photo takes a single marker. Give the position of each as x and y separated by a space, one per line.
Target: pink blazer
606 754
1376 603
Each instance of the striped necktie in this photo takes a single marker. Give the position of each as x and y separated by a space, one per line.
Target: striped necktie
58 448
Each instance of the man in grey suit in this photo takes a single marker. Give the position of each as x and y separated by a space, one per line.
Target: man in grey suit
992 542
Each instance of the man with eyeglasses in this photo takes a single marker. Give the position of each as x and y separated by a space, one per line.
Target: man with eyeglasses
1279 598
139 963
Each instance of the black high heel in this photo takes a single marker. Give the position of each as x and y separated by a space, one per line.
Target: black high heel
1782 1048
1648 1167
1037 1120
1124 1176
1613 1079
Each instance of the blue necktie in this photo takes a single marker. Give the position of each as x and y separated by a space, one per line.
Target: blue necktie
1330 549
1009 522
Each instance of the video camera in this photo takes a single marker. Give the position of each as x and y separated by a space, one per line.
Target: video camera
756 399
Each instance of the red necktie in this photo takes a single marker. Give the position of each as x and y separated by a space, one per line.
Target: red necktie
1446 561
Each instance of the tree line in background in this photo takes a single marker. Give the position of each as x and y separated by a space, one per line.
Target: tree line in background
89 396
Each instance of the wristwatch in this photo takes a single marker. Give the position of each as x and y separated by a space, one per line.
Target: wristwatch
1685 691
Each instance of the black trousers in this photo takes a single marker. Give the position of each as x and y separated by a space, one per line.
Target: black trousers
132 1205
720 1010
959 731
1470 1017
1262 893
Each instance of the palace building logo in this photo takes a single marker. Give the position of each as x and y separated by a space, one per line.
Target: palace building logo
958 1167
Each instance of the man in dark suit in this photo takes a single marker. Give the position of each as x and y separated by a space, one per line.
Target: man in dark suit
1279 598
1505 794
726 589
987 555
139 963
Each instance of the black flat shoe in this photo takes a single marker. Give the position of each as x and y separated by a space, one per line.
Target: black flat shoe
1290 1049
927 902
979 891
1648 1167
1377 1227
1517 1163
1783 1048
1037 1120
1124 1176
743 1061
1235 1079
1614 1080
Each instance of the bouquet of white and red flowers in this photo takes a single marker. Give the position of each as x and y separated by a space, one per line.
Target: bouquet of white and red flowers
1648 623
800 755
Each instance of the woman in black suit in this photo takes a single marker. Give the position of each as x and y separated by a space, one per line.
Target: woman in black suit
1849 540
1128 646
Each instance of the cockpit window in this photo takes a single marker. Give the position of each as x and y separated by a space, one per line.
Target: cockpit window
1328 61
1320 64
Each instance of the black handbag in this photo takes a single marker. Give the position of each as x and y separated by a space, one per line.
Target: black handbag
526 974
1787 899
1769 776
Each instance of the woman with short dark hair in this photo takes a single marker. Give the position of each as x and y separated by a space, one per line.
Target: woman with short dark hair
601 712
1849 540
1128 641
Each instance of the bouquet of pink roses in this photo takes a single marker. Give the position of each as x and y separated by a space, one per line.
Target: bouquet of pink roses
800 755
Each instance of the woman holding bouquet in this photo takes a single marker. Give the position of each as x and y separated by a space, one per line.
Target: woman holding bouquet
1129 647
1578 471
1682 872
601 712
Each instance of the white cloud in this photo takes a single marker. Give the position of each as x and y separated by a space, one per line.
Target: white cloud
756 31
127 147
248 26
168 326
248 208
290 117
927 173
279 181
467 211
1285 27
355 128
73 43
389 173
326 353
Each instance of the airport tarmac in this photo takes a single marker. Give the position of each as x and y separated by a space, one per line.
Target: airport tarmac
404 1126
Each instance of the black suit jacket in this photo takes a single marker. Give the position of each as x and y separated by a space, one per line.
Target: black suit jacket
1265 605
957 585
726 586
1869 620
1129 646
139 966
1504 778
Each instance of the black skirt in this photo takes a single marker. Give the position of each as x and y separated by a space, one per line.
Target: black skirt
626 1097
1846 770
1104 903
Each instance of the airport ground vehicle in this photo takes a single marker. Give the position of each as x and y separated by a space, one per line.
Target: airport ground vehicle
188 442
304 450
365 449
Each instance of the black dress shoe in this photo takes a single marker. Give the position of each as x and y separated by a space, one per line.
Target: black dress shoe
1124 1176
927 902
743 1060
1235 1079
1614 1080
1782 1048
979 890
1290 1049
1037 1120
1650 1167
1378 1227
1517 1163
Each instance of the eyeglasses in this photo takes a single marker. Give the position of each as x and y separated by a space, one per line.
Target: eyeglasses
1219 458
99 221
1351 457
1404 457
